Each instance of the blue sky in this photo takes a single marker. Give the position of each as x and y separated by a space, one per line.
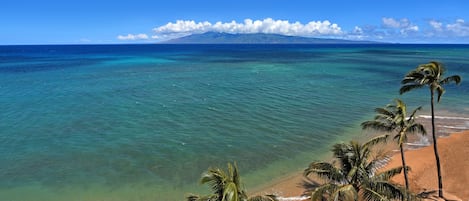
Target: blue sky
145 21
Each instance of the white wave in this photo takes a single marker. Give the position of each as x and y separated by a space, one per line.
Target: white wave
456 127
297 198
443 117
416 144
422 142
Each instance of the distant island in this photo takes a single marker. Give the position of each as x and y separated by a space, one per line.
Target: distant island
256 38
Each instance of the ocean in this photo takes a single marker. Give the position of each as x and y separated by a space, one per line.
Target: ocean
142 122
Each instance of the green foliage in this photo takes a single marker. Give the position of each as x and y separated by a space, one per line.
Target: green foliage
226 186
431 75
355 175
393 118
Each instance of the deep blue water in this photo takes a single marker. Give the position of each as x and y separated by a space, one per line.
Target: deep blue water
142 122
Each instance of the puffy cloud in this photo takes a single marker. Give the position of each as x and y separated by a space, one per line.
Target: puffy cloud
133 37
403 25
357 30
356 34
391 23
459 28
183 27
268 25
438 26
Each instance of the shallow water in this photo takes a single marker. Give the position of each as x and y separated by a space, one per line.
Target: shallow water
142 122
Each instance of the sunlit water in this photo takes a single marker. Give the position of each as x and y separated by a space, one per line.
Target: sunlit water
142 122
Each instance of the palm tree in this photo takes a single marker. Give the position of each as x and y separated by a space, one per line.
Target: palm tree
226 186
431 75
355 177
393 118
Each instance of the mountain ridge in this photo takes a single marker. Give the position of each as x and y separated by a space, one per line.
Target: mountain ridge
257 38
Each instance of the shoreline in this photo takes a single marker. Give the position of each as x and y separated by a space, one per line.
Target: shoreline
453 149
422 175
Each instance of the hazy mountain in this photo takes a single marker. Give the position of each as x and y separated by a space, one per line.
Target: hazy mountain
258 38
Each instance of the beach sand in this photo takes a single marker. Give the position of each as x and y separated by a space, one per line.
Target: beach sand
454 155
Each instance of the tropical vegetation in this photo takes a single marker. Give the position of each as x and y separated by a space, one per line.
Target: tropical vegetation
226 186
431 75
355 174
393 118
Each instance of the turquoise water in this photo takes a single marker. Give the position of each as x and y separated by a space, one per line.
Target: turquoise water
142 122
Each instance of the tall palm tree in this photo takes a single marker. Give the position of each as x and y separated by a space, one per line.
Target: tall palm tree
393 118
431 75
355 177
226 186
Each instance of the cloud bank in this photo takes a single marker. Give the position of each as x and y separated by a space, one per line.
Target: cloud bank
459 28
389 30
268 26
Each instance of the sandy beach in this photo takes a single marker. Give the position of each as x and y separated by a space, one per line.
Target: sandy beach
454 155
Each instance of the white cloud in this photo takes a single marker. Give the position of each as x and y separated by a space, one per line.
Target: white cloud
459 28
391 23
438 26
357 30
356 34
456 29
409 29
404 26
390 30
133 37
182 26
268 25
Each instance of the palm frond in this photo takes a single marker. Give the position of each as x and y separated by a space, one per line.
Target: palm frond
234 174
323 191
384 190
440 91
371 195
417 128
263 198
325 171
373 165
345 192
411 117
413 77
410 87
216 179
388 174
376 140
439 67
230 193
384 111
193 197
454 78
377 125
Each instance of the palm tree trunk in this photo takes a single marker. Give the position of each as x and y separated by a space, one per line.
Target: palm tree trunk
435 147
405 167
